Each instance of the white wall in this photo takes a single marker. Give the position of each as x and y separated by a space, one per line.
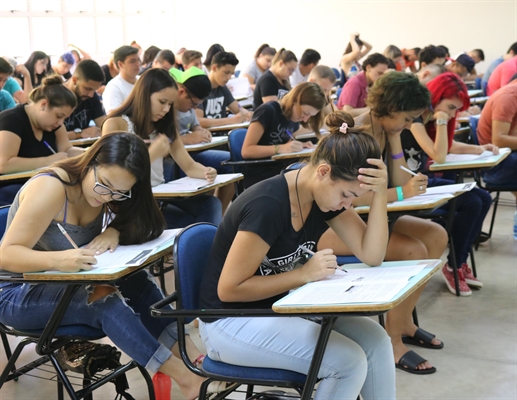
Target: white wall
241 26
326 26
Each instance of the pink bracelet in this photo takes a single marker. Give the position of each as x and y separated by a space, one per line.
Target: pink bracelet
397 156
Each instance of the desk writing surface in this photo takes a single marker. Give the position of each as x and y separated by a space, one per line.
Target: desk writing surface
310 135
298 154
112 265
187 187
475 92
18 175
84 141
216 141
229 127
246 103
486 162
431 266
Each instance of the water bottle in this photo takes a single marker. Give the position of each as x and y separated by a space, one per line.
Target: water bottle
515 225
162 386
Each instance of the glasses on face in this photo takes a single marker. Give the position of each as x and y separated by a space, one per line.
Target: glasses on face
103 190
194 104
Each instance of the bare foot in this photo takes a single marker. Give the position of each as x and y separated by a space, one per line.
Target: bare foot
400 349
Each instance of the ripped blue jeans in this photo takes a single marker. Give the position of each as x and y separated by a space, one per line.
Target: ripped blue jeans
123 315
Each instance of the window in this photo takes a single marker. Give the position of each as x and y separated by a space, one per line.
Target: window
13 5
79 6
48 35
81 32
45 5
110 34
108 6
19 28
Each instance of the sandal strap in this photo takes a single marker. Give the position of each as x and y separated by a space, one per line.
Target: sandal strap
423 336
411 360
198 361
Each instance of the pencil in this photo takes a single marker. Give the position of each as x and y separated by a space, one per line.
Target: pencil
49 147
408 170
65 233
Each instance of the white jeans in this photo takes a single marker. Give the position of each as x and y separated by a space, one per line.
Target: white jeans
358 357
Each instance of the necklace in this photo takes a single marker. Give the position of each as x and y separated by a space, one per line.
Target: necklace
299 204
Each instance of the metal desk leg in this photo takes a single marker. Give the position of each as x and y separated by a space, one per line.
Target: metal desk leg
326 328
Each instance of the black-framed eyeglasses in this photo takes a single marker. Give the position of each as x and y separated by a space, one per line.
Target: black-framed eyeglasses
194 104
103 190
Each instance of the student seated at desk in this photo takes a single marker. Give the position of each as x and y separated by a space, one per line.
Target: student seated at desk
33 135
355 50
111 178
38 66
353 96
395 100
87 78
434 138
274 83
273 125
261 63
310 59
165 59
431 55
498 125
512 52
193 87
256 259
212 111
211 52
192 58
64 65
9 84
149 113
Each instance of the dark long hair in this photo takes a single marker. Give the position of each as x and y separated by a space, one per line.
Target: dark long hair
33 59
212 51
138 104
138 219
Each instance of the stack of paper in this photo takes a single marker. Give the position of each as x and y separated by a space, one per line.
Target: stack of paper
191 185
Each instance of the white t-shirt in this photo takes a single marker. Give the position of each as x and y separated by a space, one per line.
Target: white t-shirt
297 77
117 90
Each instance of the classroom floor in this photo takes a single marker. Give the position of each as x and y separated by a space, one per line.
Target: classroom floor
479 360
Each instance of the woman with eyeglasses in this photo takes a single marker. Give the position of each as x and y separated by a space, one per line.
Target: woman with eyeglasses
33 135
149 113
111 179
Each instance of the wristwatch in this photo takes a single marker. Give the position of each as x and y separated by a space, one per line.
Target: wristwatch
78 132
441 121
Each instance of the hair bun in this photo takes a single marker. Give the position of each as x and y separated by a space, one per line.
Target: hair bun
336 119
52 80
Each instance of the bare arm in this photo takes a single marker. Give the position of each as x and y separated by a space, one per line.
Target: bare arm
437 150
210 122
355 112
501 135
365 50
191 168
40 202
20 97
252 150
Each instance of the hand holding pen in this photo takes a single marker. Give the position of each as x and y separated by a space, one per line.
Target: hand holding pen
76 259
325 252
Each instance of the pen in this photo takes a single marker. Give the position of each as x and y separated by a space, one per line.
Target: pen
311 253
289 133
408 170
49 147
205 186
67 236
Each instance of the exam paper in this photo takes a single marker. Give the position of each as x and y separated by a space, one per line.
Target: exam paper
191 185
215 139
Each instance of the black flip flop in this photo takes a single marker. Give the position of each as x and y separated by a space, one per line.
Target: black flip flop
422 338
410 360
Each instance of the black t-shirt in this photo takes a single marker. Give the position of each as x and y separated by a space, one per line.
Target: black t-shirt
275 124
265 210
268 85
217 102
85 111
17 121
413 153
107 76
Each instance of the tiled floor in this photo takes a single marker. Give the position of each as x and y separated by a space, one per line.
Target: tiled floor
479 360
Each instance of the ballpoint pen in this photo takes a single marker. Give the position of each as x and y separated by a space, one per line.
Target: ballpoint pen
311 253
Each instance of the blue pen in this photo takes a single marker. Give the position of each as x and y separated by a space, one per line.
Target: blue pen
311 253
49 147
290 134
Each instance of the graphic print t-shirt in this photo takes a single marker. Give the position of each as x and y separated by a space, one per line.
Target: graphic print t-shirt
217 102
275 124
265 210
86 111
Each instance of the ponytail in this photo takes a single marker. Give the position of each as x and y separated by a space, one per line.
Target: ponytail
53 90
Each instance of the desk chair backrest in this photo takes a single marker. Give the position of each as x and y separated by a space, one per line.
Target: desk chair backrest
473 122
192 248
338 75
235 142
484 86
4 211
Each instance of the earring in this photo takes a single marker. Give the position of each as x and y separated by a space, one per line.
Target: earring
42 108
